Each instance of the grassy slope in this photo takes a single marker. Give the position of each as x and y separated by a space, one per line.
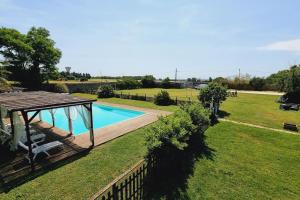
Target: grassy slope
259 109
249 163
129 102
183 94
82 178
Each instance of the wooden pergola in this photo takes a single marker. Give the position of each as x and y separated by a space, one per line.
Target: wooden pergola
37 101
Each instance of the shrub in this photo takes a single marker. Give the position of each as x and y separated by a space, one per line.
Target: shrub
82 79
169 134
163 98
257 83
148 81
105 91
128 83
199 115
4 85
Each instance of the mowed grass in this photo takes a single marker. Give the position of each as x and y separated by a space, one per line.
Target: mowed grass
92 80
259 109
181 94
248 163
142 104
82 178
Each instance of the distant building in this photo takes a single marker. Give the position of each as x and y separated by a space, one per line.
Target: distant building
200 86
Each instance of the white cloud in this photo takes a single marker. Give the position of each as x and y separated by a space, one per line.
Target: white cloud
288 45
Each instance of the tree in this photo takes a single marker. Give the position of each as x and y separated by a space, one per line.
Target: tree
3 69
32 56
213 95
257 83
221 80
166 83
148 81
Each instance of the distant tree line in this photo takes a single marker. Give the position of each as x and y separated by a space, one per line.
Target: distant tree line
284 81
73 76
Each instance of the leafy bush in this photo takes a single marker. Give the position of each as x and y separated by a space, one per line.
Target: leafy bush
174 143
82 79
199 115
163 98
4 85
169 134
128 83
257 83
57 87
105 91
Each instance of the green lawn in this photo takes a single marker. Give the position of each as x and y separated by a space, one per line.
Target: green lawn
82 178
182 94
258 109
246 163
142 104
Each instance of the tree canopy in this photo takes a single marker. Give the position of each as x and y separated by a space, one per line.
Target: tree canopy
148 81
32 57
213 93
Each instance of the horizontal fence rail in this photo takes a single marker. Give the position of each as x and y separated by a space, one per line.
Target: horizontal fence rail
130 185
149 98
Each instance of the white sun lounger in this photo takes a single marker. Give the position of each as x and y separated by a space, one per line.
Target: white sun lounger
36 138
44 148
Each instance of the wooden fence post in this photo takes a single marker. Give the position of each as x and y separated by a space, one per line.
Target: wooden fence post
115 192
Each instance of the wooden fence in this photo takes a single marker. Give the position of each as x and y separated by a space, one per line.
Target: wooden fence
148 98
130 185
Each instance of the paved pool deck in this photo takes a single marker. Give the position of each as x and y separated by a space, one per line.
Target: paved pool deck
108 133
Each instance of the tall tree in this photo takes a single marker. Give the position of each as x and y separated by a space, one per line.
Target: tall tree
32 56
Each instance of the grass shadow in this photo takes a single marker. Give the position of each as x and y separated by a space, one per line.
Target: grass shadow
223 113
168 179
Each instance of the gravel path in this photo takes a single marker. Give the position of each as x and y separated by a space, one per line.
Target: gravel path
258 126
258 92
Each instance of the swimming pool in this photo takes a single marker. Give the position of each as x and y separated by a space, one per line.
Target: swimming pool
102 116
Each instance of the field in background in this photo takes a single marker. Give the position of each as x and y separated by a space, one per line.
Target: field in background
89 81
258 109
181 94
142 104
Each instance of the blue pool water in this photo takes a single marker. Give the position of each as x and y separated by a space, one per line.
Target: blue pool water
102 116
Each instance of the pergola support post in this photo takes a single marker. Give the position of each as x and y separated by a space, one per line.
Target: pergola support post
70 122
12 123
27 130
92 125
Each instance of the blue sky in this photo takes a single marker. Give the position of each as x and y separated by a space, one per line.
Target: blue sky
136 37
